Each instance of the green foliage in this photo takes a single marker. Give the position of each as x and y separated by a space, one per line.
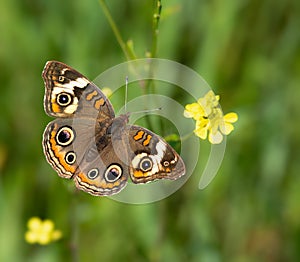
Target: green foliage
249 53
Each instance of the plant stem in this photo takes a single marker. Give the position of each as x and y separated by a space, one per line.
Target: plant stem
185 137
150 87
74 228
155 23
114 28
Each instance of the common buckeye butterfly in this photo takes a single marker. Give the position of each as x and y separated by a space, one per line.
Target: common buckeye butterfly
88 144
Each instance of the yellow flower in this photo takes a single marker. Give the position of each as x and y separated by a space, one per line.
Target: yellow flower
203 107
202 125
210 121
227 126
41 232
208 102
215 120
194 110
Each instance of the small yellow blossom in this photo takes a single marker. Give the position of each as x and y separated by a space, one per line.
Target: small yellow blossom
106 91
208 102
202 125
194 110
210 121
227 126
41 232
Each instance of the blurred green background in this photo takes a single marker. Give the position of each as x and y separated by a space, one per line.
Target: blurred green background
249 53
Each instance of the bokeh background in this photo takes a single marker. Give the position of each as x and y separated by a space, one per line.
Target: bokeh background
249 53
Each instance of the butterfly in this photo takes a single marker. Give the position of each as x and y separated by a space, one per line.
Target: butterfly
89 144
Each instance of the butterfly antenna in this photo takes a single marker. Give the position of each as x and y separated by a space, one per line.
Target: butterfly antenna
147 110
126 93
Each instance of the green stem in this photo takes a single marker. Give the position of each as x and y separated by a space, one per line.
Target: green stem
128 49
150 87
114 28
155 23
74 228
185 137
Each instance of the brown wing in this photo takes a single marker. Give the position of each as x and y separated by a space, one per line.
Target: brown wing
80 150
67 92
152 158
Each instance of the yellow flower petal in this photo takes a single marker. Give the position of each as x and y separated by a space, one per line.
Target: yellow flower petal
226 128
215 138
187 114
47 226
209 102
202 123
193 110
201 128
194 107
31 237
201 132
56 234
231 117
34 223
210 96
44 238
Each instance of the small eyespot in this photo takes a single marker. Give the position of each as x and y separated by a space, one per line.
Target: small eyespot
65 136
145 164
70 158
113 173
166 163
93 173
64 99
61 78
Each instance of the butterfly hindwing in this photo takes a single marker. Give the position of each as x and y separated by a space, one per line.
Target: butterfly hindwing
152 157
73 150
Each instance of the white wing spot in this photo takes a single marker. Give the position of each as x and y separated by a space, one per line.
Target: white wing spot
136 160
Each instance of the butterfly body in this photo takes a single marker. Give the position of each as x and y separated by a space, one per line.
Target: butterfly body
88 144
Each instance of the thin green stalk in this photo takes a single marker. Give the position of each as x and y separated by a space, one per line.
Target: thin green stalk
155 23
155 31
128 48
74 229
114 28
185 137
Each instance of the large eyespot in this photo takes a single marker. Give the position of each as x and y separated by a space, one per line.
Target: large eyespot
113 173
145 164
93 173
70 158
64 99
65 136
